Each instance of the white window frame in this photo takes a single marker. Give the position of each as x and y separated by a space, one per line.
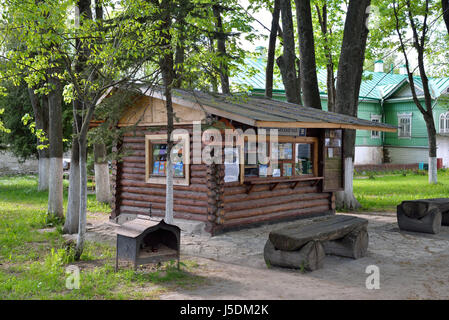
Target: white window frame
180 181
444 117
404 116
378 119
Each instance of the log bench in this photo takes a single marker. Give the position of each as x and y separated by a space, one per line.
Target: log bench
305 243
424 215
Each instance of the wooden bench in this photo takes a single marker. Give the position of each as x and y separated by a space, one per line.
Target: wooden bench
424 215
305 243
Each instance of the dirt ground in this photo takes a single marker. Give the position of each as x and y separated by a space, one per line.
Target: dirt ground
411 266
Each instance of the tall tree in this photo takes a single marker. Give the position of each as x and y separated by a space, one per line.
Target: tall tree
445 6
417 14
321 9
309 80
288 61
272 49
41 114
55 187
83 14
221 47
350 69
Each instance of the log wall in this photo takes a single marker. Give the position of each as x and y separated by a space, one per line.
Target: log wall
220 205
263 205
132 195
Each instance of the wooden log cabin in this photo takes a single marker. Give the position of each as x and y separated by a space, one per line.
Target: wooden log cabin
236 193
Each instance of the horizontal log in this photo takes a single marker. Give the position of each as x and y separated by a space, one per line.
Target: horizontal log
306 212
133 139
276 208
197 173
229 191
156 199
132 176
310 257
136 153
160 213
268 194
294 236
133 159
161 192
134 170
141 184
161 206
354 245
134 146
270 201
431 223
194 180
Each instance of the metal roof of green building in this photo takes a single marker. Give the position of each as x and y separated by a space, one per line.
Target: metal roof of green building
374 86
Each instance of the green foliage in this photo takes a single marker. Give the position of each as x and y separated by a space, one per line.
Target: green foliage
383 41
18 119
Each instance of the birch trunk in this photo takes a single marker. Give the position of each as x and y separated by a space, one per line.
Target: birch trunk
346 199
40 110
73 205
166 64
43 171
433 178
82 198
102 183
349 77
55 194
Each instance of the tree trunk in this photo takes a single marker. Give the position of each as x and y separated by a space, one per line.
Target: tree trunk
221 47
330 83
309 80
81 126
445 6
73 206
349 78
419 43
83 197
271 50
102 184
41 115
166 65
55 194
287 62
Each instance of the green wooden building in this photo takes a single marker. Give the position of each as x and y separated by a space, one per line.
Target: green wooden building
384 97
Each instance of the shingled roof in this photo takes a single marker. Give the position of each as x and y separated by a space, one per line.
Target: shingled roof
264 112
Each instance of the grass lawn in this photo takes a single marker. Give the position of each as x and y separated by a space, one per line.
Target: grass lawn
33 263
384 193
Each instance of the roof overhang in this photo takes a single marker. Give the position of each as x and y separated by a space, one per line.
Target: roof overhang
321 125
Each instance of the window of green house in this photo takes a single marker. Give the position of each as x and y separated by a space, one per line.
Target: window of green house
444 122
405 125
375 118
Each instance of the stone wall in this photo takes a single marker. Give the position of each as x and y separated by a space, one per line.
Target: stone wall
9 164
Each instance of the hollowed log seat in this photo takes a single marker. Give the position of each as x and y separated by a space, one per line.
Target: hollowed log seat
424 215
304 244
